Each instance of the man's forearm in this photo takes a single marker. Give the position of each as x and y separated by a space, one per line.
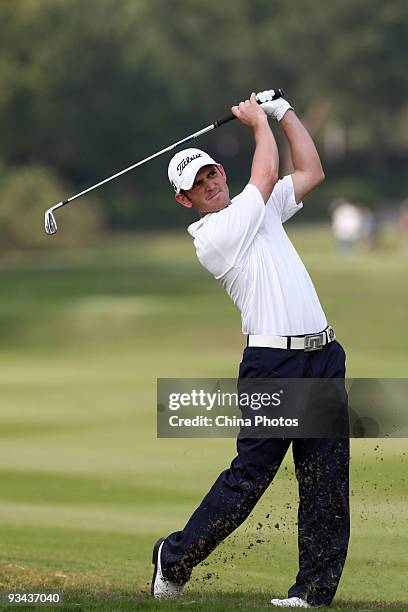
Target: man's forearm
265 162
266 156
305 157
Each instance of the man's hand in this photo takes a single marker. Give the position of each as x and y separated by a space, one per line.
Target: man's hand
249 112
273 108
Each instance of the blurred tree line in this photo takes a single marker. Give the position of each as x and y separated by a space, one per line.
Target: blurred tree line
88 88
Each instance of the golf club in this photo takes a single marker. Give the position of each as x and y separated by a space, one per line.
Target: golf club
49 220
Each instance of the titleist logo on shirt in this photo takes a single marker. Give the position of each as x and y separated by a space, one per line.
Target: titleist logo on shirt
184 162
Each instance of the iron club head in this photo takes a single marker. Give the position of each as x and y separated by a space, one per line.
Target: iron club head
50 222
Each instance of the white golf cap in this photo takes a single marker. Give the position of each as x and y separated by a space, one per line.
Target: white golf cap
184 166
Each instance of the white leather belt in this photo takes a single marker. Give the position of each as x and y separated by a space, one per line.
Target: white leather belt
309 342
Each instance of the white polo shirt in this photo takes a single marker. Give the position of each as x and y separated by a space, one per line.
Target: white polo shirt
246 248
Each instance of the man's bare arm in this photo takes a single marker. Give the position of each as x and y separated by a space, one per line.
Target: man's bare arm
265 162
308 171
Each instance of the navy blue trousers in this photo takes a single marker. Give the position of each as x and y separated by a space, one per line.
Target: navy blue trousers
322 472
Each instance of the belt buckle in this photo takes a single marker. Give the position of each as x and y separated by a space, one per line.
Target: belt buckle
314 342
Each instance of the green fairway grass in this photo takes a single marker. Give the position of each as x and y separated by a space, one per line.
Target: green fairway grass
87 488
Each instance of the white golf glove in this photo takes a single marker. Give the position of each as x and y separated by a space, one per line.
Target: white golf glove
273 108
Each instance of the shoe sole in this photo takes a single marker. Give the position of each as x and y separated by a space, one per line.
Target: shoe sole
155 556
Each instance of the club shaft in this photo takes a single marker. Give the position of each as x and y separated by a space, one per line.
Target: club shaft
278 94
139 163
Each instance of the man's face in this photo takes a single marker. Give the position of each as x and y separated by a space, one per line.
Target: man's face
209 192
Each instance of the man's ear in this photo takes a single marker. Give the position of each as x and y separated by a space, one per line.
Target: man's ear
221 169
183 200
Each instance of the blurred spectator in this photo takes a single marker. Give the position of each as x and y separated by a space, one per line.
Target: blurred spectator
368 227
347 221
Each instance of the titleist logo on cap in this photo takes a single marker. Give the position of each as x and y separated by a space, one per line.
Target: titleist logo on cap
184 162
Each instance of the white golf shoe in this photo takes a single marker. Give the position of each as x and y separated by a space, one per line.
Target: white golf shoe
290 602
162 588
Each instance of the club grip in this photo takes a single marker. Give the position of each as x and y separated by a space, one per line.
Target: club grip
279 93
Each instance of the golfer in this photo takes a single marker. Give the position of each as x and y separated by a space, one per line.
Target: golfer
243 244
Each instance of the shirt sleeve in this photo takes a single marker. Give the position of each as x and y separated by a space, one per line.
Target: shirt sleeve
283 199
230 232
